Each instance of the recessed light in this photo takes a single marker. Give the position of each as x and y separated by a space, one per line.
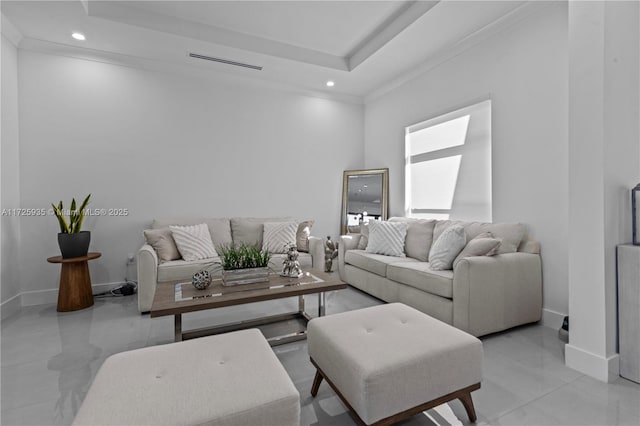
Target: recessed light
330 83
78 36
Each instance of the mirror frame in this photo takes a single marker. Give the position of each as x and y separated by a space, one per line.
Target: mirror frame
385 193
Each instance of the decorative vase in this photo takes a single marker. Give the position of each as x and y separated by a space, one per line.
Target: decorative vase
74 245
201 280
245 276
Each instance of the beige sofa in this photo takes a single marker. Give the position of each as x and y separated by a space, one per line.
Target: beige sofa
224 231
481 295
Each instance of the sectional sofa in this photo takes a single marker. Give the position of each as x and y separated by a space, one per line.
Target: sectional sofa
224 231
480 295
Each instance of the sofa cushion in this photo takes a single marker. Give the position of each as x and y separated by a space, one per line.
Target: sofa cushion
419 236
219 228
162 242
248 230
302 236
193 241
387 238
374 263
445 249
279 236
183 270
420 275
511 234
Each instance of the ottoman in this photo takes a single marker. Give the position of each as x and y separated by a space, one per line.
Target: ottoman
228 379
391 362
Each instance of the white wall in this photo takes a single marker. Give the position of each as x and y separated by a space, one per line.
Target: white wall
10 191
604 64
163 145
524 72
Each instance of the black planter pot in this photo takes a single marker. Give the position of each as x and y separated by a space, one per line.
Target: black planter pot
74 245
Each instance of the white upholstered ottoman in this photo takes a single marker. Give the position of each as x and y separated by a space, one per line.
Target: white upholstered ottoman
391 362
228 379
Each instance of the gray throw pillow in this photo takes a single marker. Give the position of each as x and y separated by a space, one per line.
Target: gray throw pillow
364 237
162 242
302 236
482 245
419 237
445 249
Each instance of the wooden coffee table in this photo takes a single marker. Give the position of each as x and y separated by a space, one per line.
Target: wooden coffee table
179 297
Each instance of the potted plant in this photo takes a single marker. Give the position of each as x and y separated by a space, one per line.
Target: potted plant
72 241
244 265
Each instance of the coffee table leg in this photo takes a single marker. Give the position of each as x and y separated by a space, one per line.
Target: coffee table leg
178 327
301 304
321 302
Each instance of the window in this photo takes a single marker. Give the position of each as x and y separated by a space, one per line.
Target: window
448 166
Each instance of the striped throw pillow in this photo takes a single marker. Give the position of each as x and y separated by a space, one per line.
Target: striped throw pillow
193 241
387 238
278 236
445 249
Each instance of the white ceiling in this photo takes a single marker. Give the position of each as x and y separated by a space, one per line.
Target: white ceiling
364 46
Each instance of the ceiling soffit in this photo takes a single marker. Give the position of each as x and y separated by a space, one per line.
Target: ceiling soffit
395 22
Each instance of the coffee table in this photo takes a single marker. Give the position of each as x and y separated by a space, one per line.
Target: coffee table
180 297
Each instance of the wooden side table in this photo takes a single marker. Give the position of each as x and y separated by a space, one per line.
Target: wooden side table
75 282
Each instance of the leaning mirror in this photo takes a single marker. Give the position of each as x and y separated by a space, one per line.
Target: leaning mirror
364 197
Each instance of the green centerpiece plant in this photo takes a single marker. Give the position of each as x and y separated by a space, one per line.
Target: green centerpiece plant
243 257
244 264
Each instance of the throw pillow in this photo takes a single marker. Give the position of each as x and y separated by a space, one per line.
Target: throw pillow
278 236
419 237
445 249
364 237
482 245
302 236
387 238
193 241
162 242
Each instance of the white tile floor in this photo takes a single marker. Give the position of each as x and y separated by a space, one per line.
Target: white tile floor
49 360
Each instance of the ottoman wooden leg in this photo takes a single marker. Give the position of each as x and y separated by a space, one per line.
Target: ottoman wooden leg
468 405
316 383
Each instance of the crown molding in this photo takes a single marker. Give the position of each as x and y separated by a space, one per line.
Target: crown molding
10 31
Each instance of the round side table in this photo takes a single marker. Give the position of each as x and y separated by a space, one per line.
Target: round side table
75 282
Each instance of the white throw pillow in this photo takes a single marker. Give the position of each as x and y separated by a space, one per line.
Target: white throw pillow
445 249
193 241
387 238
278 236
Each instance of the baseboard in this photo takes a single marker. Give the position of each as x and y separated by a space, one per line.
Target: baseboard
43 297
552 319
601 368
11 306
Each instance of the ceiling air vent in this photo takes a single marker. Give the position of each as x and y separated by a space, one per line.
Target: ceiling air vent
225 61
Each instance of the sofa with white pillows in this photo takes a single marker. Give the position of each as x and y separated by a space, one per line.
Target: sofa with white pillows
175 249
479 277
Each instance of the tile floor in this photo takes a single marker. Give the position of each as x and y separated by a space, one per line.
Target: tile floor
49 359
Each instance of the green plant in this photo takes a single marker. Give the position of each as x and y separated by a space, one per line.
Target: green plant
76 216
243 256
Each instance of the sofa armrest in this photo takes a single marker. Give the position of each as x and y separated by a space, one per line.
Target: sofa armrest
493 293
316 250
346 242
147 277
